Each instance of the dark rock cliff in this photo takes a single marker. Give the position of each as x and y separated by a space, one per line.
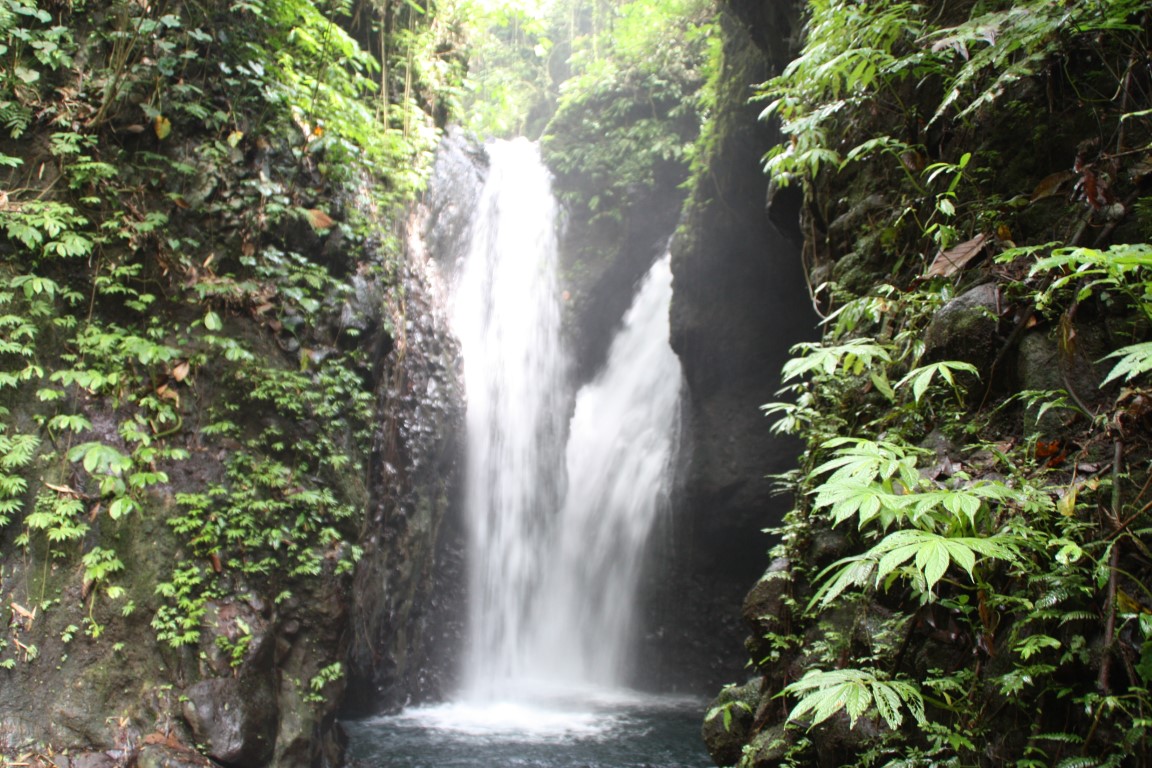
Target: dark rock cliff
409 601
739 302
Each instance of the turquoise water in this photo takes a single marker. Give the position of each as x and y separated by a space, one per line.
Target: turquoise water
609 732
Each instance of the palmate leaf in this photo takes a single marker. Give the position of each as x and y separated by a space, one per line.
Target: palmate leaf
920 378
869 460
853 357
928 554
824 693
864 500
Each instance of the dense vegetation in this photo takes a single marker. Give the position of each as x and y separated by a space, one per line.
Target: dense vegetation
198 208
964 578
615 89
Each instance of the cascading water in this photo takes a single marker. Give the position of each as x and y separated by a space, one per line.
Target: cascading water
621 448
508 321
553 575
559 512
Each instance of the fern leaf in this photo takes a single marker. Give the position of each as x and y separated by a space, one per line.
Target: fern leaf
1135 360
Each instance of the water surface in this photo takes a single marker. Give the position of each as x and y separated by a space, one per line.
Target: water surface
610 731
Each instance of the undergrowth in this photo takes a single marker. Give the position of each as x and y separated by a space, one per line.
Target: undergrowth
185 191
967 562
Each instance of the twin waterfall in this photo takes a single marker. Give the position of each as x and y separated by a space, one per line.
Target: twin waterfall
560 500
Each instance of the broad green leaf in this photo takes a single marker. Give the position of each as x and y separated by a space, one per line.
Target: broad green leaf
824 693
920 378
933 559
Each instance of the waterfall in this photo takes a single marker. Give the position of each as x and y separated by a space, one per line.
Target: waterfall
558 511
621 449
508 320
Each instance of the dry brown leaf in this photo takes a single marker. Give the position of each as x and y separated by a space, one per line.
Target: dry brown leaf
166 393
168 740
913 160
1051 185
951 261
62 489
318 219
23 612
180 372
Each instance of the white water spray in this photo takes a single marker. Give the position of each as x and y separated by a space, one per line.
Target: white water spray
508 320
554 572
621 448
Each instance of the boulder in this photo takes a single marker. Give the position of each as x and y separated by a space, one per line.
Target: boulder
728 725
234 719
967 329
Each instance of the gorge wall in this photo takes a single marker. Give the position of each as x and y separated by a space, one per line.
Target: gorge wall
739 303
230 397
953 582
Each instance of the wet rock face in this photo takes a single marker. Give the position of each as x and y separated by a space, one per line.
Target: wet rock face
234 714
601 263
765 608
446 213
234 718
966 328
739 303
407 596
730 722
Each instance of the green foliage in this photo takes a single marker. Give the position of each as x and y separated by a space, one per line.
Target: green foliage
724 711
995 49
510 47
921 378
859 54
855 691
920 556
146 273
321 679
1120 276
629 113
854 357
188 590
1135 360
850 52
973 523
